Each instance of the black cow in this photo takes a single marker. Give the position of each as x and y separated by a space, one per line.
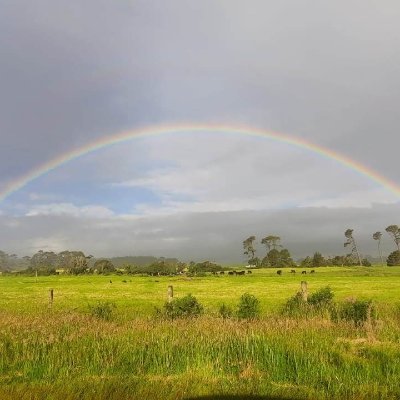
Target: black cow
222 273
292 271
279 272
241 272
230 273
249 272
303 272
312 272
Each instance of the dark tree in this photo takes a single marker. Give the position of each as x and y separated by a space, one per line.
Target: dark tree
393 259
318 260
104 266
249 250
271 242
394 232
306 263
378 237
352 242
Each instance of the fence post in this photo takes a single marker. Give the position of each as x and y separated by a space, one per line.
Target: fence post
170 293
51 297
304 291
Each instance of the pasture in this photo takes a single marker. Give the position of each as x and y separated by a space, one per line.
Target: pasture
63 352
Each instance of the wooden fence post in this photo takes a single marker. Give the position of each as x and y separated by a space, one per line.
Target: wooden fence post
304 291
170 293
51 297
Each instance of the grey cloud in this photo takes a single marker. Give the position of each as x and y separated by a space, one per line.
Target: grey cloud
73 72
216 236
326 72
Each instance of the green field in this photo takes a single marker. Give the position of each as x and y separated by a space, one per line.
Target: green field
64 352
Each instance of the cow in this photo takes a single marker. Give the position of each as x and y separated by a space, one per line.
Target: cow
230 273
279 272
303 272
222 273
292 271
312 271
249 272
241 272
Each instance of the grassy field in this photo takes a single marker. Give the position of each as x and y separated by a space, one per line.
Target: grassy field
64 352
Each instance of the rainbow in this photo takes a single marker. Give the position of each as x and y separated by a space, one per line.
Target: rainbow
150 131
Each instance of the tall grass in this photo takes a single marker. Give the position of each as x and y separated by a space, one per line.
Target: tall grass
70 354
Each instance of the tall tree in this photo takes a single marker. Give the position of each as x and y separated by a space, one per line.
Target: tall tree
318 260
73 262
394 232
249 250
271 242
285 259
307 262
272 259
378 237
104 266
352 242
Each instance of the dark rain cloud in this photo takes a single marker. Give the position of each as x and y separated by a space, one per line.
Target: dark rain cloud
199 236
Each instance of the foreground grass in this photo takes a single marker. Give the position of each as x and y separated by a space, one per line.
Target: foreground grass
67 355
64 353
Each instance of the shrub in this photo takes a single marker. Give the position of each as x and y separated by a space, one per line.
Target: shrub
249 307
393 259
184 307
295 306
322 298
225 311
320 301
103 310
366 263
357 311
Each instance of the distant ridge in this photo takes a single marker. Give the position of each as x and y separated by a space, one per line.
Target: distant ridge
140 261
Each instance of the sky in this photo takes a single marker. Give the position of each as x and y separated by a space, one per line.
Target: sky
72 73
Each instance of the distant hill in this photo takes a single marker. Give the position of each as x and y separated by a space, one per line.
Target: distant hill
140 261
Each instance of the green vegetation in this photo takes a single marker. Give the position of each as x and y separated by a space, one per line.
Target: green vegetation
102 310
185 307
394 258
249 307
82 346
358 311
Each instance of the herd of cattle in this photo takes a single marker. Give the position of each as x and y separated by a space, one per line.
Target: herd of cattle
279 272
232 272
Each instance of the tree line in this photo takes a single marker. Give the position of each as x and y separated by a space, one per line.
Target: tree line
77 263
277 256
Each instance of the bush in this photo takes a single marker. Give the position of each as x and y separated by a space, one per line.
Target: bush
322 298
393 259
184 307
357 311
295 306
225 311
366 263
103 310
249 307
316 303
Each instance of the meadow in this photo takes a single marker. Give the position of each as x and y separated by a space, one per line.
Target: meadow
62 351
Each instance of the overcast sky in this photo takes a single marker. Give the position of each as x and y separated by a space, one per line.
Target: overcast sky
73 72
